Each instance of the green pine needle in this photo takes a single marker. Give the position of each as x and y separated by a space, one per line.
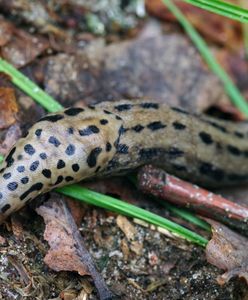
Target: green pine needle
235 95
130 210
29 87
222 8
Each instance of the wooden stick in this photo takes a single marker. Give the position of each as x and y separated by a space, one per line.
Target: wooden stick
167 187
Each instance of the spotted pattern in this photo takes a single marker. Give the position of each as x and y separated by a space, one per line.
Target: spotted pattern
74 111
92 129
92 158
178 126
206 138
54 141
93 141
29 149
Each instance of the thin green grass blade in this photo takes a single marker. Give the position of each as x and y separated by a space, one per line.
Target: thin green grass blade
187 215
122 207
222 8
29 87
201 45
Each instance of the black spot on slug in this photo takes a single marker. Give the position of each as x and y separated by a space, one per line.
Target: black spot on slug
38 132
35 187
177 109
178 126
239 134
29 149
1 195
118 118
69 178
54 141
12 186
97 169
148 105
70 150
43 155
75 167
156 126
19 157
92 158
9 159
122 107
59 180
5 208
47 173
108 147
122 149
24 180
70 130
91 106
53 118
149 153
20 169
74 111
138 128
175 152
210 170
60 164
103 121
6 175
34 165
92 129
112 164
206 138
233 150
217 126
107 112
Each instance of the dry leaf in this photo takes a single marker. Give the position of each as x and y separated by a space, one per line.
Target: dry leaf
219 29
60 234
23 48
8 107
67 252
6 31
227 250
12 135
127 228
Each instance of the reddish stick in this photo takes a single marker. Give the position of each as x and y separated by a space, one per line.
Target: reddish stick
167 187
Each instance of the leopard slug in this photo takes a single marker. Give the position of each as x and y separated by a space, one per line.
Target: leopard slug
112 138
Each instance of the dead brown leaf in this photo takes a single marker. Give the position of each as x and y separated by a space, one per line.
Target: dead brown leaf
6 30
12 135
127 228
67 251
60 234
8 107
227 250
218 30
22 47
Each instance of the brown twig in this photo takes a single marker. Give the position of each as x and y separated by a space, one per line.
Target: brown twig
160 184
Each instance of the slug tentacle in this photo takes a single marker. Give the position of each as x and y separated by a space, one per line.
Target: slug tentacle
113 138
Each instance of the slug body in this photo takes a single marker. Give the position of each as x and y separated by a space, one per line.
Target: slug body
112 138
